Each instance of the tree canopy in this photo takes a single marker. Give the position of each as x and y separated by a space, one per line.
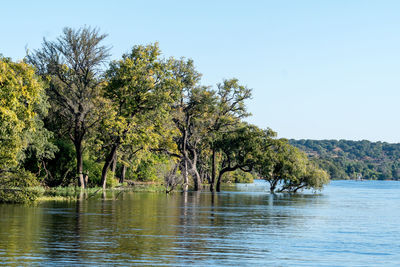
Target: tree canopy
69 116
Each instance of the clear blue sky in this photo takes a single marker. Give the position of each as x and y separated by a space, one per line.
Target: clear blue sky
318 69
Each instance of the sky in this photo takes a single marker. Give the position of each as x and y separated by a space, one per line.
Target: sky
318 69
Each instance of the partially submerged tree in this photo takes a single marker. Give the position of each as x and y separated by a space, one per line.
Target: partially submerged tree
286 168
141 91
241 149
227 114
73 66
184 109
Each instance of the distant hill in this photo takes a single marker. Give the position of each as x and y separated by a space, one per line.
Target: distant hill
345 159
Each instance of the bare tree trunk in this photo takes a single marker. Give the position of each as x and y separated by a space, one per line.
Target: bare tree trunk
79 162
123 174
219 181
86 179
195 172
185 176
273 185
196 179
107 165
213 170
114 164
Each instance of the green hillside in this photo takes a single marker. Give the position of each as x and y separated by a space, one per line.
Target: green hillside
345 159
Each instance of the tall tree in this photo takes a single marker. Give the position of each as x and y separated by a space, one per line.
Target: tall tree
73 66
141 90
229 109
22 101
187 83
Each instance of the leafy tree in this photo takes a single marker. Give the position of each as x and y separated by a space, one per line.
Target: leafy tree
286 168
20 93
242 149
72 65
227 114
141 91
22 100
189 112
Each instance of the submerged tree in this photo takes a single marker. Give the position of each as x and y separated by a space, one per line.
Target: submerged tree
286 168
73 66
229 110
184 110
241 149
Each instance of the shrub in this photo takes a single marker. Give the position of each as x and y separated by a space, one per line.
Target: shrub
19 187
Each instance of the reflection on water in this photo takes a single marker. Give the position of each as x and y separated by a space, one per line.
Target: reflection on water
350 223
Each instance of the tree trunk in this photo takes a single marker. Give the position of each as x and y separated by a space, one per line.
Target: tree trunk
194 171
273 186
114 163
123 174
213 170
86 179
196 179
79 163
185 176
107 165
219 181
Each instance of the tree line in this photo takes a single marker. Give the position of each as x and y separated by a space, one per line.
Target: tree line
70 115
344 159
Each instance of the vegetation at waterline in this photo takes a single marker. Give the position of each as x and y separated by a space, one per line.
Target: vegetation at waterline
354 159
71 117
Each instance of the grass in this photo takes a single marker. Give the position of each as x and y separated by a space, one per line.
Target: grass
74 193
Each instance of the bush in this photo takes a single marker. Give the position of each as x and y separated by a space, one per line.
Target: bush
19 187
238 176
152 169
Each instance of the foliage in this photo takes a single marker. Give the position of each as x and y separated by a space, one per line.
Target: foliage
239 176
153 169
345 159
141 91
286 168
18 187
21 96
143 118
72 67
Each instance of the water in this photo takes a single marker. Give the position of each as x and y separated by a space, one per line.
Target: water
351 223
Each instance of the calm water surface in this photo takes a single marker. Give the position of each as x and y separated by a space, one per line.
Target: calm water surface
351 223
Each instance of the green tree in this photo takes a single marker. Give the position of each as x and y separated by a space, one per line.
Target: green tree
73 66
22 100
227 114
286 168
242 148
189 114
141 91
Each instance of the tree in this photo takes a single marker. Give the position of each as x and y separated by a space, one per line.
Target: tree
72 64
286 168
228 112
21 100
311 177
141 90
242 148
185 115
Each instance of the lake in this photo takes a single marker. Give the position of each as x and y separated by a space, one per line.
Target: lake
350 223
